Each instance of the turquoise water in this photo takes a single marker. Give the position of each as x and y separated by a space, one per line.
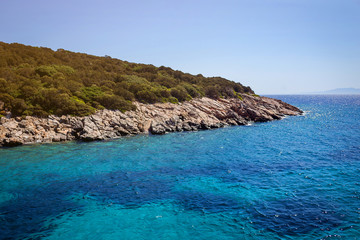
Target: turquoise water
297 178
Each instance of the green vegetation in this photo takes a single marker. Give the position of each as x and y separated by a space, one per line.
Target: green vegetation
39 81
238 95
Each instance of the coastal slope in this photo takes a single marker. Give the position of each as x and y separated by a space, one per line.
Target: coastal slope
159 118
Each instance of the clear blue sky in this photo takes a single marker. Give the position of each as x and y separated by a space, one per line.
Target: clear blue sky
274 46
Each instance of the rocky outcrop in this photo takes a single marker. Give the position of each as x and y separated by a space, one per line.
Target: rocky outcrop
160 118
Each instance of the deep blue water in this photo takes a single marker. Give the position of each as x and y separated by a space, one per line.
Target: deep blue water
297 178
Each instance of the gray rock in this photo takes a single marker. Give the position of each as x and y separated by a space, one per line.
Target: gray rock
157 128
10 124
160 118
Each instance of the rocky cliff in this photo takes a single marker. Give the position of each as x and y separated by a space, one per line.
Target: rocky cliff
160 118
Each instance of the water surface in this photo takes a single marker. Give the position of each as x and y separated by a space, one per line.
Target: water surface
297 178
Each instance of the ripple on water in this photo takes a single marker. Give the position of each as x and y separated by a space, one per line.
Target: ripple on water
290 179
294 216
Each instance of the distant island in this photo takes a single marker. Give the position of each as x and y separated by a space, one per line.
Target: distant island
341 91
53 96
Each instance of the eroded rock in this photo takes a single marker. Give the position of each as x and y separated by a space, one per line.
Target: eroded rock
160 118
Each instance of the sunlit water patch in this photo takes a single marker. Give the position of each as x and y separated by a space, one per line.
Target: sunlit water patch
297 178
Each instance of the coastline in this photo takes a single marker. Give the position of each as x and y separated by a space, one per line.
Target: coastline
160 118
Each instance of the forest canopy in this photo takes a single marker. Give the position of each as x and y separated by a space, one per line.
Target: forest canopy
38 81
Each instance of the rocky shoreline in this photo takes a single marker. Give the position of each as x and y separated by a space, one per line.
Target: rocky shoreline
160 118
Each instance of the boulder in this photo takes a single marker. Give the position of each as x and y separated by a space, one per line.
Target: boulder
12 142
157 128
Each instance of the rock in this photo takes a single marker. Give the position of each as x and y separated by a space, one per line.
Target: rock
76 124
204 125
91 136
121 131
56 139
157 128
3 132
10 124
145 127
186 127
12 142
160 118
23 124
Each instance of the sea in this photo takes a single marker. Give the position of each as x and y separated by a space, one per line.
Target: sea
295 178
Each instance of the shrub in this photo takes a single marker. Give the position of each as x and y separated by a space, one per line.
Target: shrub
212 92
114 102
90 93
64 82
180 93
76 107
7 99
146 96
45 71
3 85
173 100
191 90
18 106
166 81
121 91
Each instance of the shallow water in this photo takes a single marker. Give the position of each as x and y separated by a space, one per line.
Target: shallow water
297 178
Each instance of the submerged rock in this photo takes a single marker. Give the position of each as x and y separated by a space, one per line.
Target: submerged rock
160 118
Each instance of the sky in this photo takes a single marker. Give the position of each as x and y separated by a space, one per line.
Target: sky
273 46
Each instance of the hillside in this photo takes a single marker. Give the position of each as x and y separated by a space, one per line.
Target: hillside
38 81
